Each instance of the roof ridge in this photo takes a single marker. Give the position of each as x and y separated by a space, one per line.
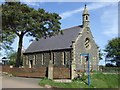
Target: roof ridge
72 27
58 42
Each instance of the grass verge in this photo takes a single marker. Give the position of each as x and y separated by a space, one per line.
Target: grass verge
97 81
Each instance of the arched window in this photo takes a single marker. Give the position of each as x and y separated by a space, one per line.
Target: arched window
53 57
43 58
64 58
86 17
87 43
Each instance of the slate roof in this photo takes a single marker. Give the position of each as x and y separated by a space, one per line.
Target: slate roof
56 42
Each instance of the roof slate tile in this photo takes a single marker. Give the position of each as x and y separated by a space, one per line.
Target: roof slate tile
55 42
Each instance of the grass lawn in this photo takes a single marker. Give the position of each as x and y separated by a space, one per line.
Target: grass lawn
97 81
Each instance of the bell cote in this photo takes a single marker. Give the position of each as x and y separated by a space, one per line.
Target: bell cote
86 22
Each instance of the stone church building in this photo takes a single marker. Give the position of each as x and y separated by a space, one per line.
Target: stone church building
65 49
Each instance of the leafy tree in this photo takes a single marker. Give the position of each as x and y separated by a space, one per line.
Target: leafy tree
12 56
113 50
100 53
6 38
22 20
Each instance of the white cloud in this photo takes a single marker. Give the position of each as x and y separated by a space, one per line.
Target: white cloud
70 13
92 6
112 30
110 21
109 18
36 4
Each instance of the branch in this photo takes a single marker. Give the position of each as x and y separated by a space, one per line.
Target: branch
17 33
25 32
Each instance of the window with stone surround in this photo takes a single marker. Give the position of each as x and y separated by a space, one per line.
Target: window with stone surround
86 17
94 60
50 54
53 57
27 61
43 59
35 58
64 58
80 59
87 43
86 58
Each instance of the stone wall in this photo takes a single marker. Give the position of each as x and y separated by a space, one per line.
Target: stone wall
60 58
80 48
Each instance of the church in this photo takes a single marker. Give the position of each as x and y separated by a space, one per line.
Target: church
65 49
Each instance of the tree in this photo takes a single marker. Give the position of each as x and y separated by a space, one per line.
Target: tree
113 50
6 38
12 56
100 53
22 20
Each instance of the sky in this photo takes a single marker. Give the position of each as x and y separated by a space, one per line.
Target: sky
103 19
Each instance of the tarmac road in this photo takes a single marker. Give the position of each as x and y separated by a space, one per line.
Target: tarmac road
20 82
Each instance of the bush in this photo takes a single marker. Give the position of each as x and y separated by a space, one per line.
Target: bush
84 77
80 78
76 79
12 62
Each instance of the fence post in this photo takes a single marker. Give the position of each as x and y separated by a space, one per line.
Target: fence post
50 70
73 73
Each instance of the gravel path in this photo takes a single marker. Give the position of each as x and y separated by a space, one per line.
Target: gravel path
20 82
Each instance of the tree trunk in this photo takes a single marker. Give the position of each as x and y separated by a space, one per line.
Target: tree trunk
18 59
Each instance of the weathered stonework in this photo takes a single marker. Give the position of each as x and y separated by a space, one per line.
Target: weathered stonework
42 59
50 70
64 50
81 63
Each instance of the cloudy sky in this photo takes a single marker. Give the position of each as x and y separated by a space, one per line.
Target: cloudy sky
103 18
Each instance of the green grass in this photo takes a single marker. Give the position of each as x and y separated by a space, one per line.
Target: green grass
74 84
97 81
105 80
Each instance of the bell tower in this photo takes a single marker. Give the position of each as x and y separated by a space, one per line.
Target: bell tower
86 22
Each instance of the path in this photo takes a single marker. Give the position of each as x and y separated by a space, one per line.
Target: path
20 82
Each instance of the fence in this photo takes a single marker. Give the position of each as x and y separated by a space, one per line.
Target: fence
26 72
5 68
38 72
85 68
61 73
109 69
57 72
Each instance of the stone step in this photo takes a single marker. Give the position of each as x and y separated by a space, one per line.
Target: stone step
62 80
